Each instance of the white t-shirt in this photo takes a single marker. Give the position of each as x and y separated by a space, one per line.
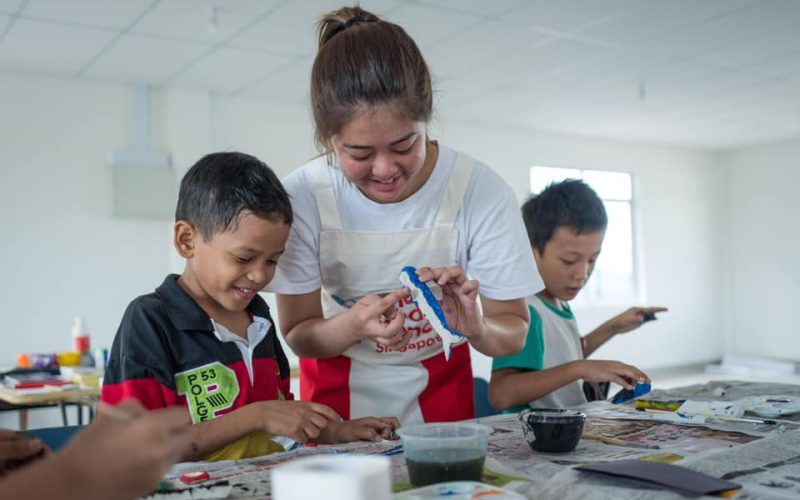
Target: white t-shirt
562 344
493 246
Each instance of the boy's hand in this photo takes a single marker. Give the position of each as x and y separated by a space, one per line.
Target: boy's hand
378 319
360 429
460 301
300 420
612 371
632 318
17 449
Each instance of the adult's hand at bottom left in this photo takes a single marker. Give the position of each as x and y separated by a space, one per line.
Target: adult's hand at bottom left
122 455
17 449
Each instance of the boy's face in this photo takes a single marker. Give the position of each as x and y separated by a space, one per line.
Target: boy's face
225 272
567 261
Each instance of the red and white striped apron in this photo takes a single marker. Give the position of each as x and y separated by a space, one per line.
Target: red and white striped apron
416 383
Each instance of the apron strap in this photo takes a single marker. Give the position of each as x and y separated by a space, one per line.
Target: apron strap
328 209
456 187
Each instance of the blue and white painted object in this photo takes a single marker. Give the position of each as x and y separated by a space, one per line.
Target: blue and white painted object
459 490
627 394
426 301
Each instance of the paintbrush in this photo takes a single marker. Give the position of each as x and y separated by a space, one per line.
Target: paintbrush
620 442
749 420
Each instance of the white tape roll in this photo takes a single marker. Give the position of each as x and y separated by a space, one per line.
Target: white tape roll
333 477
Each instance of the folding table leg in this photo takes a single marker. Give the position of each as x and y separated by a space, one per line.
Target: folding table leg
23 419
63 407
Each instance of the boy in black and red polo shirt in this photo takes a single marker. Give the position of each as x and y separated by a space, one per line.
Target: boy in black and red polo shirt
205 339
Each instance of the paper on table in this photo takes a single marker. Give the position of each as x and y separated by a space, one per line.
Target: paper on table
772 406
732 409
665 475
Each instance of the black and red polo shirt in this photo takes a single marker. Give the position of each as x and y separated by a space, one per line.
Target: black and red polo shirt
166 353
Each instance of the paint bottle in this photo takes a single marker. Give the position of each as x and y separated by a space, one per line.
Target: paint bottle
23 360
100 358
80 336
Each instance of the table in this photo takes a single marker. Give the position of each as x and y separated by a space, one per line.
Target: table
25 400
765 459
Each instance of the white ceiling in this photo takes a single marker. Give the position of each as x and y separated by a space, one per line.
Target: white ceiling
710 74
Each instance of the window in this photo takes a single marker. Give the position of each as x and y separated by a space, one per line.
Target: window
614 279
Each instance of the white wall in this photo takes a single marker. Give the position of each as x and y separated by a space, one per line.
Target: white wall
764 227
64 254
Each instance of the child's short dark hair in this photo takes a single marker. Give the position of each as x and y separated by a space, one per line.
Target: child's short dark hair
571 203
220 186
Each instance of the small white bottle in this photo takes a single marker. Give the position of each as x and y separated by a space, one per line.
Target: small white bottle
80 341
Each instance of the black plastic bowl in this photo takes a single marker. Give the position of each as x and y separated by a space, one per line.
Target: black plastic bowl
552 430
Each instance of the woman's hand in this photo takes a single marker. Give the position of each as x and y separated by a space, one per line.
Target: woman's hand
379 319
460 300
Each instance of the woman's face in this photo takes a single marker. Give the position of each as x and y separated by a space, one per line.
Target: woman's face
383 154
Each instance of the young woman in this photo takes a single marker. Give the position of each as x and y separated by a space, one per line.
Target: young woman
384 196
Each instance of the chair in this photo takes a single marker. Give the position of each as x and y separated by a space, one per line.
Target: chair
480 391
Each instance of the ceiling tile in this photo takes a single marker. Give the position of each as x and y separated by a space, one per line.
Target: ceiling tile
484 44
671 84
49 47
741 100
249 8
142 59
537 63
291 28
452 93
760 48
650 19
288 29
4 21
729 29
202 21
228 70
10 6
480 7
291 84
787 67
381 8
429 25
564 15
613 69
98 13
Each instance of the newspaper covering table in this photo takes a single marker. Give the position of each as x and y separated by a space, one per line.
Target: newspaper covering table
763 458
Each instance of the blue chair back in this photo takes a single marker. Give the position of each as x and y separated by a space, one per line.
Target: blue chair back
55 437
480 390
